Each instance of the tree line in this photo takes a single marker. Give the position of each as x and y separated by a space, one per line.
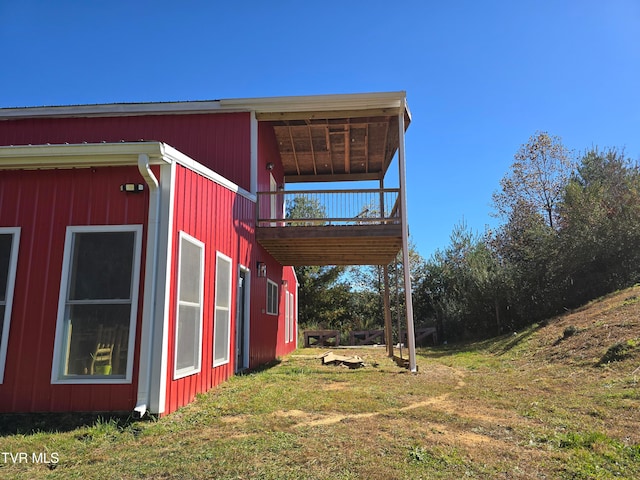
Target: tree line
569 232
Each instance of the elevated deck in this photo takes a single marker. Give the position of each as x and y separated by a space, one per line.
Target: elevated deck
332 227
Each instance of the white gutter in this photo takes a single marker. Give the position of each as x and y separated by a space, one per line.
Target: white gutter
150 287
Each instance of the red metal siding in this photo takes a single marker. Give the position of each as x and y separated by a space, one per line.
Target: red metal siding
223 221
221 141
43 203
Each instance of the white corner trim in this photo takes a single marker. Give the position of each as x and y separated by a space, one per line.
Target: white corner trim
158 389
177 156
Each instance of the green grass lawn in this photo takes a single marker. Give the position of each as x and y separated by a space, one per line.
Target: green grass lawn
521 406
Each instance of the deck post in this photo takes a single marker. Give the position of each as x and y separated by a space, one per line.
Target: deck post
411 339
388 332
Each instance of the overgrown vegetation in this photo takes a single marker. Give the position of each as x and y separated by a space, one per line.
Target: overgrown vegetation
518 406
570 233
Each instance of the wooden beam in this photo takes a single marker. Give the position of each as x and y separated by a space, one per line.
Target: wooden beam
351 177
328 140
293 148
366 148
313 154
347 150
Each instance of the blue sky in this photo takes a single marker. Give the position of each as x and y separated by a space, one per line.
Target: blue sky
481 76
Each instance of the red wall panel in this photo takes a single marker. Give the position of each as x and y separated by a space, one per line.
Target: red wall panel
221 141
43 203
224 222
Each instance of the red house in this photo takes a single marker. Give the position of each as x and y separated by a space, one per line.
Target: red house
144 253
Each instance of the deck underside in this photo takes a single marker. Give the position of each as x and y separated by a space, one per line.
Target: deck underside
332 245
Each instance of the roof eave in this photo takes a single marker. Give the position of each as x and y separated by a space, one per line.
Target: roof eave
393 101
80 155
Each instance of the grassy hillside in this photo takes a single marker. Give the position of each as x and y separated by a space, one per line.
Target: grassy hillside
555 401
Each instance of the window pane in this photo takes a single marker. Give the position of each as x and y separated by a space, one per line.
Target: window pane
222 320
190 271
223 283
2 307
188 347
5 254
102 265
272 298
221 335
98 339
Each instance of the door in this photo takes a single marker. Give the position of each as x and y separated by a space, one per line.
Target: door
242 321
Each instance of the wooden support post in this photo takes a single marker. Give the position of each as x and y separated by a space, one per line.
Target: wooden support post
388 332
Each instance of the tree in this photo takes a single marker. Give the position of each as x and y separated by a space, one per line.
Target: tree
538 177
601 225
528 251
368 282
323 296
462 287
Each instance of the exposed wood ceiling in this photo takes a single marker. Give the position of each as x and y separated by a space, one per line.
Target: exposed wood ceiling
334 146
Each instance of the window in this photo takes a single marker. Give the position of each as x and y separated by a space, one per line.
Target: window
188 346
9 241
289 317
98 304
286 316
292 316
222 320
272 298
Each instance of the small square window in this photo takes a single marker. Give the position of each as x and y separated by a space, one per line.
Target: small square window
272 298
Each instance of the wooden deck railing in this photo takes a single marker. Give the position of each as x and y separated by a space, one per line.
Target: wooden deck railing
328 207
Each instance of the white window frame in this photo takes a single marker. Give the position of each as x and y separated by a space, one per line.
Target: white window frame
59 350
223 313
185 372
286 316
272 285
8 303
292 316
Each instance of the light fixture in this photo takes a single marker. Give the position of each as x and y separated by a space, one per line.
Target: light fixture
270 166
285 283
262 269
131 187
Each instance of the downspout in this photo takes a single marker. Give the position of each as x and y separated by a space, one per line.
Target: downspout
150 287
